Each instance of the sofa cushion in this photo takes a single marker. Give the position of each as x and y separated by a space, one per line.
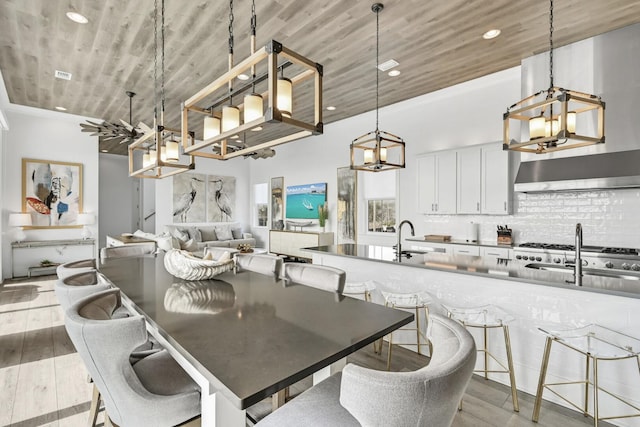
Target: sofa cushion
189 245
224 232
179 234
218 243
236 233
194 234
208 234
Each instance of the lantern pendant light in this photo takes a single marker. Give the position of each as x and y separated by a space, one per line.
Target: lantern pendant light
378 150
211 127
253 102
552 116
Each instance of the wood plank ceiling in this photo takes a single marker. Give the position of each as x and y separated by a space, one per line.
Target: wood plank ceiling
438 43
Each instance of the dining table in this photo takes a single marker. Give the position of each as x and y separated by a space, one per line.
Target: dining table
244 336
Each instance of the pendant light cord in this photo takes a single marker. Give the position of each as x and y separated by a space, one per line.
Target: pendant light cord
550 44
162 62
377 61
231 17
155 60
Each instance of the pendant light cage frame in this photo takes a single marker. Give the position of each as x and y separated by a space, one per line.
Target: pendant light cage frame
372 151
274 57
155 139
553 118
158 168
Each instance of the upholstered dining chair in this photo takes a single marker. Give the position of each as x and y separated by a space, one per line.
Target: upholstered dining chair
154 391
316 276
125 251
75 267
270 265
360 396
75 287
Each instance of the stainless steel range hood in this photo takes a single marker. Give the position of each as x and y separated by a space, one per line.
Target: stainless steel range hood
620 169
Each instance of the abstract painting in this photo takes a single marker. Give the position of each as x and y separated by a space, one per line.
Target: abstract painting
277 202
52 192
347 205
221 198
189 197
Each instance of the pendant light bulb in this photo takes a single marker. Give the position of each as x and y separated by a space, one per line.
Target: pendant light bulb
163 153
537 127
211 127
146 159
253 107
285 96
153 156
173 151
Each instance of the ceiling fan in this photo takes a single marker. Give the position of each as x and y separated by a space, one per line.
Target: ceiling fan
117 132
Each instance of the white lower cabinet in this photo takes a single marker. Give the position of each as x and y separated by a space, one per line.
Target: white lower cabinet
472 250
291 242
492 252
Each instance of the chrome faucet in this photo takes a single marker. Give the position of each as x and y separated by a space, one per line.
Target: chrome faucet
399 244
577 266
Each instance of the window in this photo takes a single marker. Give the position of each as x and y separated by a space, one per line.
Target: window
380 201
260 197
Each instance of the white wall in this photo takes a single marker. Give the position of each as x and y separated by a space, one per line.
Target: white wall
462 115
41 134
119 197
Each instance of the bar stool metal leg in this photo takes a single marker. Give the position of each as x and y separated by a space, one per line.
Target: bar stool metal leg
421 337
543 375
586 388
512 376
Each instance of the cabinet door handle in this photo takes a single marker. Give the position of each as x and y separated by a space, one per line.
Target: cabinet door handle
505 206
462 252
493 254
432 207
436 207
478 206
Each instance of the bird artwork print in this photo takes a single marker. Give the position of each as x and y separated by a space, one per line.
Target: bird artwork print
184 202
222 199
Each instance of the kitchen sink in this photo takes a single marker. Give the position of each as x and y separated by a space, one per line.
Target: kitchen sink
616 274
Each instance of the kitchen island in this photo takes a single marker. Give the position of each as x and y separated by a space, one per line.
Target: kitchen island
535 298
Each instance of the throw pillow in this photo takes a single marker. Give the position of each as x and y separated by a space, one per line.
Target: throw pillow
178 234
208 234
208 256
224 233
164 242
189 245
237 233
194 234
226 256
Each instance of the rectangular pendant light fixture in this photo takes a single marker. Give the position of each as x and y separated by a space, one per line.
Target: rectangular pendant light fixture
278 124
144 161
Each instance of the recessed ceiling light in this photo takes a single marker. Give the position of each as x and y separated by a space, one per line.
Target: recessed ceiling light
256 129
394 73
491 34
243 77
104 151
331 108
76 17
61 108
235 137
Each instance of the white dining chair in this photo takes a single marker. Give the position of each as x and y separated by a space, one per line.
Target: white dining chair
74 267
270 265
316 276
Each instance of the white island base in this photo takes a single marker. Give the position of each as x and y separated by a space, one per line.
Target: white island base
532 305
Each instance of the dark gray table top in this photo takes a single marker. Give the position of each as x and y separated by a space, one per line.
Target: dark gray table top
249 334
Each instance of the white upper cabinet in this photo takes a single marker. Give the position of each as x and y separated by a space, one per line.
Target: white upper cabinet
469 161
437 183
496 187
472 180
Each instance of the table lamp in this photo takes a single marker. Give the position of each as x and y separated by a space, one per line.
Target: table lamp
85 219
20 220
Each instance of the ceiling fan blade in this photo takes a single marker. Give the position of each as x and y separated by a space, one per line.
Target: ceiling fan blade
96 124
144 128
126 125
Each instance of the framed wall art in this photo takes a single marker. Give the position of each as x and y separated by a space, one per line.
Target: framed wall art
347 205
277 203
52 193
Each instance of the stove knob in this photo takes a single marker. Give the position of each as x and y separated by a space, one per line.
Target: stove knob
625 266
557 260
635 267
518 256
538 258
524 257
585 262
608 264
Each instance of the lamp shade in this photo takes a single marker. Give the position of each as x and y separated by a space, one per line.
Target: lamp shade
146 159
230 118
86 219
211 127
173 152
285 97
20 220
253 108
153 157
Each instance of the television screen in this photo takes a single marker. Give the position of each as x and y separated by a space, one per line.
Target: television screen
303 200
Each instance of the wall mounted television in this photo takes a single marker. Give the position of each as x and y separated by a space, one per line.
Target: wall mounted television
303 200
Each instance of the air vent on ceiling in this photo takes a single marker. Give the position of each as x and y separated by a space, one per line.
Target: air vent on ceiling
387 65
63 75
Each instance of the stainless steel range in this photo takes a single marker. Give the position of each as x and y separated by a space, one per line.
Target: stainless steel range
592 256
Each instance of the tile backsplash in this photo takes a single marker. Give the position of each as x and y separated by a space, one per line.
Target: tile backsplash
608 217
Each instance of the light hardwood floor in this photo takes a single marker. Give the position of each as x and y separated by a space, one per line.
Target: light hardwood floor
44 383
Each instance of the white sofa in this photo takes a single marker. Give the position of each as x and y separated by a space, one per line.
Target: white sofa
197 237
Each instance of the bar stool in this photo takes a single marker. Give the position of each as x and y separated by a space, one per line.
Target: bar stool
489 317
75 267
596 343
419 302
363 290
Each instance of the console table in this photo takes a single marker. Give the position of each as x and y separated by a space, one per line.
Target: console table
28 254
283 242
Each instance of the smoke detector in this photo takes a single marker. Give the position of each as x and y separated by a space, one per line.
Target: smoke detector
62 75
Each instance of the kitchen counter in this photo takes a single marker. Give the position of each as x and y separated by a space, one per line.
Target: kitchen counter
486 267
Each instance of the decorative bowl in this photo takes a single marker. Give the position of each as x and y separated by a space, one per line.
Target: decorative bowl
184 265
